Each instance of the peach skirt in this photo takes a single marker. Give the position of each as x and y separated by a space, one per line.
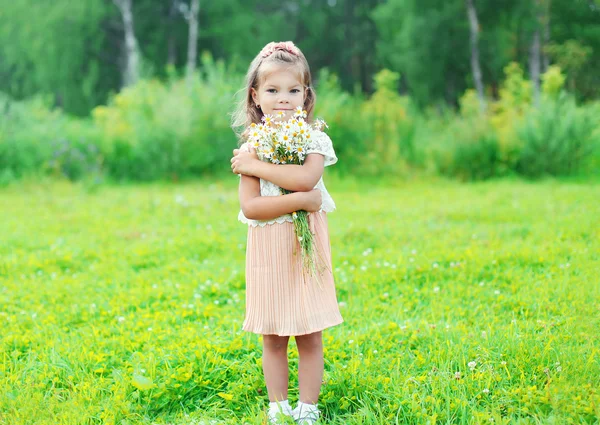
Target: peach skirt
280 298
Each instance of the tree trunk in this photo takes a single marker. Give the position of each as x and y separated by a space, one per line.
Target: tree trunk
535 56
131 72
475 66
193 38
545 58
171 41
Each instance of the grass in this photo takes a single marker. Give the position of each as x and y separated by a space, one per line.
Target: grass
463 304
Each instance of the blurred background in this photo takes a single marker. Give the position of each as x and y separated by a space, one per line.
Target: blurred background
138 90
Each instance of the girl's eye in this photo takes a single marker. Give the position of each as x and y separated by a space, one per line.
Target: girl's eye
295 91
271 90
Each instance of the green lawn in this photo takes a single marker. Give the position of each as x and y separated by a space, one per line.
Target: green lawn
125 305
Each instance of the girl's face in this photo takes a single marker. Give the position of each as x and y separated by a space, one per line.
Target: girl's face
280 93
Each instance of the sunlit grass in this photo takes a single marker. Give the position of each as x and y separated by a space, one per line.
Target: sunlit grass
463 304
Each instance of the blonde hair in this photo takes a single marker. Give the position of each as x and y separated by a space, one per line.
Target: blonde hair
279 54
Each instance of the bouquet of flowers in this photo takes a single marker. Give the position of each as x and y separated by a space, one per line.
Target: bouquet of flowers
286 142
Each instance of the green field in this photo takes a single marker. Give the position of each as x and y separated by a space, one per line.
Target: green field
463 304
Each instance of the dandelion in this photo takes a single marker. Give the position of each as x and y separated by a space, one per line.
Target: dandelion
472 365
486 391
436 289
457 375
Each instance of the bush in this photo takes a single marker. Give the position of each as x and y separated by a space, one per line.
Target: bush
468 149
155 130
181 127
34 139
557 138
341 111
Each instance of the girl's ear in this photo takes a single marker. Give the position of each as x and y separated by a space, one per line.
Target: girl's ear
254 95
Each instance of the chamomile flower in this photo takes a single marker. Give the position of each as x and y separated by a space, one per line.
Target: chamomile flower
268 119
299 112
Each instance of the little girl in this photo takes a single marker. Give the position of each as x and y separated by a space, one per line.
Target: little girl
282 300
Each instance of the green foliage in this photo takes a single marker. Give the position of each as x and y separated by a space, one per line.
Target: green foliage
389 128
73 51
340 110
154 130
56 49
411 42
35 140
468 149
515 98
553 81
181 128
557 138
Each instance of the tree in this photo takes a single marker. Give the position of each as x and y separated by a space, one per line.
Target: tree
192 18
131 69
475 67
57 49
424 40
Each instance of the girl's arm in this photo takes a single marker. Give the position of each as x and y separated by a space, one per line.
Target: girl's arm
298 178
256 207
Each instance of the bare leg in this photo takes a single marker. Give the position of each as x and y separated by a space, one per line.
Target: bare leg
310 367
275 366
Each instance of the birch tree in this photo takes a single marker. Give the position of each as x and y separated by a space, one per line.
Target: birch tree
131 70
475 66
192 53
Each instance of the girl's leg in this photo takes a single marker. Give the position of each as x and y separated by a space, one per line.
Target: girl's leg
275 366
310 367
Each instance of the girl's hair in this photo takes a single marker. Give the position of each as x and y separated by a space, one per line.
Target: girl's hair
284 53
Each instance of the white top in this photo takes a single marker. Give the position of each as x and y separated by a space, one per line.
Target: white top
321 144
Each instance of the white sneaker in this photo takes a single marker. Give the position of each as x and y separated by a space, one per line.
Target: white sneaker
306 414
277 414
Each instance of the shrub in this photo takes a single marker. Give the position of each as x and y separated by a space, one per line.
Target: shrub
557 138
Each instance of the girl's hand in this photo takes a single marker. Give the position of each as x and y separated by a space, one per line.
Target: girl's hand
243 161
313 200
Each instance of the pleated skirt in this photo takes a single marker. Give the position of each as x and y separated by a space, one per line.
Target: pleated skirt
282 299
